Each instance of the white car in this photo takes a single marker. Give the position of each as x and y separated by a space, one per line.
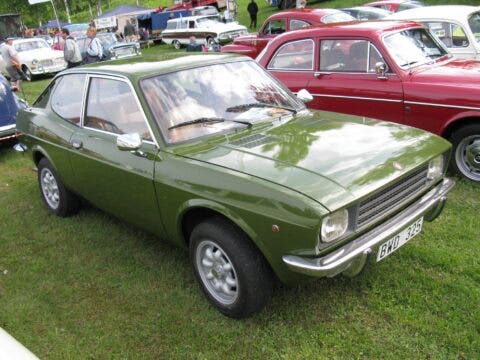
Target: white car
36 57
207 29
457 26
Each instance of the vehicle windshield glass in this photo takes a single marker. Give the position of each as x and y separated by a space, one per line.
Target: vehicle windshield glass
337 17
474 23
31 45
107 39
223 96
414 47
207 19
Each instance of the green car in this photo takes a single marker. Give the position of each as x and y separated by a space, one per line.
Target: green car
211 153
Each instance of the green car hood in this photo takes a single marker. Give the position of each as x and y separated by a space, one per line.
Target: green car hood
329 157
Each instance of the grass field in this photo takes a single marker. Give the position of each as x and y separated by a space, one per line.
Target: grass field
91 286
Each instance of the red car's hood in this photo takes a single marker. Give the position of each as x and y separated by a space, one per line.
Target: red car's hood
464 73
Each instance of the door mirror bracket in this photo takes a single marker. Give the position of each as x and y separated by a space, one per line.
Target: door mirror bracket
129 142
381 70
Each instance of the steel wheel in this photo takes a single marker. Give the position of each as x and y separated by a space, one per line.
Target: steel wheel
217 272
467 157
50 190
176 44
28 73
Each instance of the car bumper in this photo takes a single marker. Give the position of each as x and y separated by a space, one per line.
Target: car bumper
351 258
48 69
7 131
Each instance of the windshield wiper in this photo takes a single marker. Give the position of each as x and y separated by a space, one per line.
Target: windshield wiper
243 107
204 120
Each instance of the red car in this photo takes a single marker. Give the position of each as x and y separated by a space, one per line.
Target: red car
395 5
252 44
390 70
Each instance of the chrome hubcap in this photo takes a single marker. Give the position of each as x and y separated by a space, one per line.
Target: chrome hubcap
217 272
49 188
467 156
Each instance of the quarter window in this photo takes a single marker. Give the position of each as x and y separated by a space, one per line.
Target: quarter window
67 97
274 27
349 56
451 35
296 55
111 107
298 24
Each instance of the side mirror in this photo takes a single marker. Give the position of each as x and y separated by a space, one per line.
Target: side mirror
304 96
129 142
380 70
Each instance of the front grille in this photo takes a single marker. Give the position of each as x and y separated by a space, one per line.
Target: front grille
393 197
46 62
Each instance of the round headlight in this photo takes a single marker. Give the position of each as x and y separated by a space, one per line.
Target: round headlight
334 225
435 168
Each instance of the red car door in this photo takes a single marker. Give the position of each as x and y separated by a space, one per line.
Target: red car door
346 82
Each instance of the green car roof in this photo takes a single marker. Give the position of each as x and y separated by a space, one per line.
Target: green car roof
139 68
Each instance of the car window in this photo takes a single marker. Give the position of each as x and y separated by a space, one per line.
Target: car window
337 17
452 35
408 5
348 56
42 100
67 97
112 107
298 24
295 55
474 23
171 25
275 27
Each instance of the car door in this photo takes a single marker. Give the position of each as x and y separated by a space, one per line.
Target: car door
118 181
345 81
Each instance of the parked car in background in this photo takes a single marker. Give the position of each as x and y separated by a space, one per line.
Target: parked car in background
278 23
36 57
204 10
213 154
367 12
113 46
396 5
9 105
208 30
458 27
390 70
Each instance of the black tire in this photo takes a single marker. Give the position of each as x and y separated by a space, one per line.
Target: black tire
249 270
466 152
67 203
27 73
210 41
176 44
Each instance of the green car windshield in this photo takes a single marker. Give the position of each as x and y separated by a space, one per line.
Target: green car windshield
206 100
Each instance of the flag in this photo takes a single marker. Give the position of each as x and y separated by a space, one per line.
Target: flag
33 2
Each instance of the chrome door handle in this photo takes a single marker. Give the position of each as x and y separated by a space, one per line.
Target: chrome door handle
320 73
76 144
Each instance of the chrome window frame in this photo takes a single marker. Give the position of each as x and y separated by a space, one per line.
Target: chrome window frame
54 89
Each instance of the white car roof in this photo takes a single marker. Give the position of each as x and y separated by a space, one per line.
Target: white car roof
19 41
447 12
192 17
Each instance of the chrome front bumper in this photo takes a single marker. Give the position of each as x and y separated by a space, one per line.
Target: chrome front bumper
351 258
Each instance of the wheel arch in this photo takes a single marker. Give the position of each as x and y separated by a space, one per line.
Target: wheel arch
458 122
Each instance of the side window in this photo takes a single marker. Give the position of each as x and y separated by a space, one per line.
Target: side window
182 25
374 57
296 55
171 25
43 99
67 97
111 107
348 56
274 27
191 24
298 24
451 35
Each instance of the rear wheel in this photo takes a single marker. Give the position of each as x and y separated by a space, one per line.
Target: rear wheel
176 44
466 148
56 196
232 273
210 41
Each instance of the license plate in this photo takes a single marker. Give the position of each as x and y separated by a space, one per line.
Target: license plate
399 240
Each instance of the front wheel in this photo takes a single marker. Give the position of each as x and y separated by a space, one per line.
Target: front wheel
27 72
210 41
176 44
466 147
232 273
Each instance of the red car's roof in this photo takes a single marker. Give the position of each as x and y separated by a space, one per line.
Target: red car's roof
388 2
354 28
314 14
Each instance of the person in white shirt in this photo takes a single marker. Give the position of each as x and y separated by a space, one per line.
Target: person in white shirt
71 51
94 47
12 63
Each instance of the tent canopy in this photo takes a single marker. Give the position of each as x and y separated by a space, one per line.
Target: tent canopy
53 24
123 9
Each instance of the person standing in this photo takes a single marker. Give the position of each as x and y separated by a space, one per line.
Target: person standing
71 51
94 48
252 9
12 63
129 32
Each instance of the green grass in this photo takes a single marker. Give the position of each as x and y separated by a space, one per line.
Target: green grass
91 286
